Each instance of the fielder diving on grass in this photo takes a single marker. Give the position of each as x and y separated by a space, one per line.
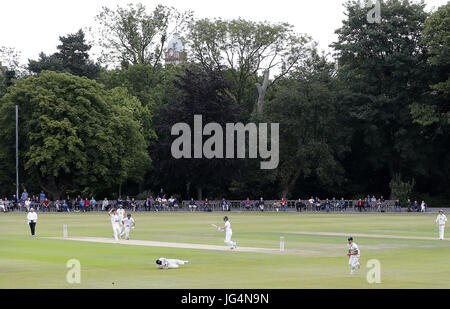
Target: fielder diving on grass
228 233
164 263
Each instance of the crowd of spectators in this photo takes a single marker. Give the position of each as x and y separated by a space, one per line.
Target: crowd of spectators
161 203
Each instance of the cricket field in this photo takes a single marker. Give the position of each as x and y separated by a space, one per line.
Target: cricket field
405 245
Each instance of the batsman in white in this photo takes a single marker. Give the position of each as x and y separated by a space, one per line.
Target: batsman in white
353 254
441 220
128 223
115 223
228 233
164 263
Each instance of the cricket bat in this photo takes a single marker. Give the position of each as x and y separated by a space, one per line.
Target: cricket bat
215 226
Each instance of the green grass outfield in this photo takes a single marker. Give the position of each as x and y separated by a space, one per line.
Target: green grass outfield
311 261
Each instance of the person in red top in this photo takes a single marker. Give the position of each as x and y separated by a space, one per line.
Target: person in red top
360 205
87 204
283 203
46 204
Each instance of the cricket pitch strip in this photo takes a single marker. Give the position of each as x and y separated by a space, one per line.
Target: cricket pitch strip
182 245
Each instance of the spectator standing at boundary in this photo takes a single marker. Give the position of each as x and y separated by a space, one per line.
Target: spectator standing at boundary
105 204
224 204
133 204
82 205
65 206
58 206
28 204
42 197
416 206
261 204
283 203
171 200
164 203
161 193
93 203
24 195
147 204
206 206
2 206
311 203
423 207
342 204
298 205
87 204
32 220
317 203
360 205
14 202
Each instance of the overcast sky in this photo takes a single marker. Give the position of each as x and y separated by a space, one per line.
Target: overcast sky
32 26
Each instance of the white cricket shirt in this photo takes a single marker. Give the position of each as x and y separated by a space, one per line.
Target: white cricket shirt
441 219
353 248
127 222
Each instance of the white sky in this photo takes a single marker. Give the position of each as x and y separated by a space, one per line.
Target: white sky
32 26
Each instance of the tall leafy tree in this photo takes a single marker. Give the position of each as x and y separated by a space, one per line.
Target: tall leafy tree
131 35
384 67
247 50
434 110
72 57
73 133
312 140
201 92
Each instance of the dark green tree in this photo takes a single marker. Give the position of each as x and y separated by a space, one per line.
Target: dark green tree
384 69
202 92
311 137
73 134
72 57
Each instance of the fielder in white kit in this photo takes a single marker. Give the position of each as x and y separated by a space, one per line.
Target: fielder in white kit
441 220
164 263
353 254
121 214
128 224
115 223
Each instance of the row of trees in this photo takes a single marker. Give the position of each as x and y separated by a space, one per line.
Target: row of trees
377 113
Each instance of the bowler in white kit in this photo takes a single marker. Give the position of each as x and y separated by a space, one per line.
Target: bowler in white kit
115 223
441 220
353 254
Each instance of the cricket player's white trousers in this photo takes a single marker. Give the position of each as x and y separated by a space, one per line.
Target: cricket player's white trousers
173 263
228 239
353 260
126 232
441 231
116 229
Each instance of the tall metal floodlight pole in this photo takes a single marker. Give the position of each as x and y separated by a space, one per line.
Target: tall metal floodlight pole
17 152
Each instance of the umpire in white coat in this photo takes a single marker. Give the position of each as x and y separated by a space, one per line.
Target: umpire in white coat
441 220
32 220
